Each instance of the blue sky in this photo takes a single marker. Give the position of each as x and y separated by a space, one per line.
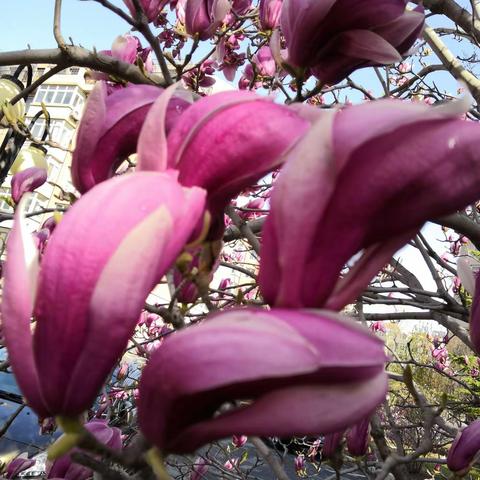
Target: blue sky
30 22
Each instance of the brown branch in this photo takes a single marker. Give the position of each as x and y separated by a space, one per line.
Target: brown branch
270 458
233 233
57 22
81 57
462 224
456 14
244 228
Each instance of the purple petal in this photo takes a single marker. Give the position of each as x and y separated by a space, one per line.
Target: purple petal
312 409
229 140
109 130
403 31
152 142
464 449
19 291
99 298
357 438
372 260
279 358
27 181
18 464
310 164
367 45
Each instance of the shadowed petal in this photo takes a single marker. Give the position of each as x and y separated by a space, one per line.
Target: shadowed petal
19 292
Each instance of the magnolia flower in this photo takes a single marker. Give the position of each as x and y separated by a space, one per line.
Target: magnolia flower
465 449
357 438
241 7
239 440
66 469
264 62
299 463
19 464
331 444
475 319
269 13
224 143
87 294
128 49
27 181
336 37
180 10
199 469
193 274
378 327
151 8
360 179
203 17
109 130
303 372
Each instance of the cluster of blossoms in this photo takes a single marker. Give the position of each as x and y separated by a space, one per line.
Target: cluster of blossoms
367 177
440 355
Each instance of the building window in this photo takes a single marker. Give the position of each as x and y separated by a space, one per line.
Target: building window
35 202
74 70
56 94
60 131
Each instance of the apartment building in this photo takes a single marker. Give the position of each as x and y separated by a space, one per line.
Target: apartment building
64 96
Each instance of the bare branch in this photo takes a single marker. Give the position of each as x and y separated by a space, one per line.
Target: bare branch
81 57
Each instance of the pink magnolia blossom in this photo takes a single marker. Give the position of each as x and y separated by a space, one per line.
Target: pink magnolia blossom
151 8
109 130
203 17
378 327
228 57
231 464
201 76
239 440
357 438
264 62
351 200
405 67
209 148
199 469
27 181
336 37
299 463
66 469
128 49
465 449
180 10
331 444
87 294
269 13
288 362
241 7
19 464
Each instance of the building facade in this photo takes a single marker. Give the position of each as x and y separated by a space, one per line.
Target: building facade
64 96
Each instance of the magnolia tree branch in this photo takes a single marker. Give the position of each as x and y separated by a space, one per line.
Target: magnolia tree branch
142 25
244 228
270 458
233 232
57 29
462 224
80 57
452 63
456 14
